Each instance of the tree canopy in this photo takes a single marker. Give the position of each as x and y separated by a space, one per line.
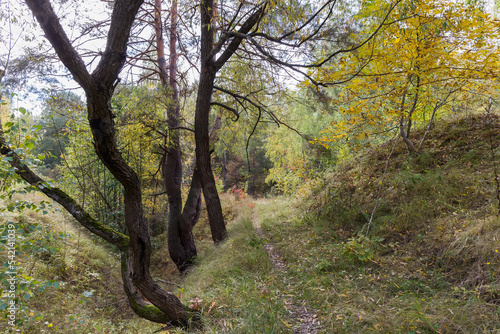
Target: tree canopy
435 52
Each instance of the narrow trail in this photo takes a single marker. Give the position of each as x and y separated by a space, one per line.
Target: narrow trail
305 319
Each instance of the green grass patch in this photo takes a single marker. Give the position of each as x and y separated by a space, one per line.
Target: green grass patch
238 288
66 283
430 262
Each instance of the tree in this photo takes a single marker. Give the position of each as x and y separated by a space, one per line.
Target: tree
271 42
54 135
181 220
274 33
436 50
137 111
295 158
146 297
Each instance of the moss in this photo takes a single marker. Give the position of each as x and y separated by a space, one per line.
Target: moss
149 312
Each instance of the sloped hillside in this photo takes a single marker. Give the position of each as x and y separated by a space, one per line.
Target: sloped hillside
66 281
392 242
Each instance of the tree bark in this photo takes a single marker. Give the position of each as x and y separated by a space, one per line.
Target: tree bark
413 108
99 88
180 239
106 148
402 131
208 71
59 196
202 114
209 67
137 302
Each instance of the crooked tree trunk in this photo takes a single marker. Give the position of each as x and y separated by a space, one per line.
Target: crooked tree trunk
177 313
100 119
180 239
402 134
202 114
181 220
402 129
137 302
99 87
209 67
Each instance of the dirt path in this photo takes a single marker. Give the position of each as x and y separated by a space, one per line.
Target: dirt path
306 321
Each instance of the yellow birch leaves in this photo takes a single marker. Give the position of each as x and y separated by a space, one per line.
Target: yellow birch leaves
427 52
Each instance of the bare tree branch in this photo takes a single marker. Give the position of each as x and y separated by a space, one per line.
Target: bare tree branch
234 111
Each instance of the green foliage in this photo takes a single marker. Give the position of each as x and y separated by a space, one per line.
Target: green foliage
57 111
22 136
86 179
295 158
360 249
138 113
240 145
65 281
27 242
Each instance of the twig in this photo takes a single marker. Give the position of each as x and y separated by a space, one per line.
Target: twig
164 328
380 187
169 283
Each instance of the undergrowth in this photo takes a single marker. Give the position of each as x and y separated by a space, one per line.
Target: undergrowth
411 248
66 281
405 245
237 288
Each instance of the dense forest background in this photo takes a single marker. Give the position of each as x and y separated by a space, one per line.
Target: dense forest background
244 167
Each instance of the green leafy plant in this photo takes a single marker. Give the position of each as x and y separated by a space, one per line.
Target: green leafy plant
360 249
31 242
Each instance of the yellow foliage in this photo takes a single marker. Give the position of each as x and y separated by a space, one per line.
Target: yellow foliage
4 112
430 51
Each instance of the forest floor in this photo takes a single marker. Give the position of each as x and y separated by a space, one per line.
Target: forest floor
428 261
306 321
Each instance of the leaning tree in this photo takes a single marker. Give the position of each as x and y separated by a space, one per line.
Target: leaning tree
280 34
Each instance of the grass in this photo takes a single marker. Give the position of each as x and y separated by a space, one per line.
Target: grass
240 290
428 264
393 292
68 282
233 285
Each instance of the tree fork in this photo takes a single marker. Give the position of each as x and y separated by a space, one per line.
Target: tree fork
99 88
208 71
180 238
176 314
202 113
